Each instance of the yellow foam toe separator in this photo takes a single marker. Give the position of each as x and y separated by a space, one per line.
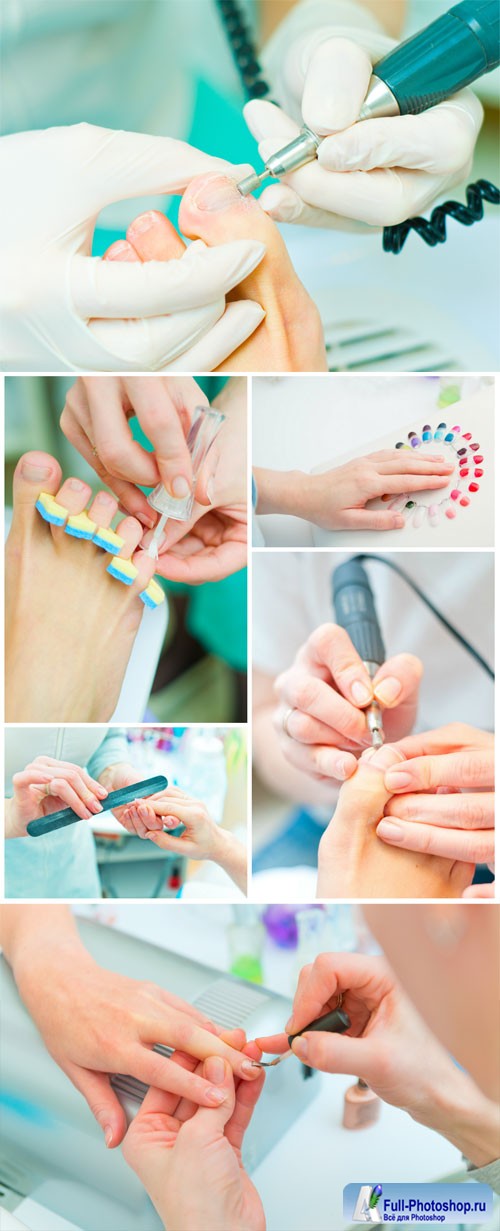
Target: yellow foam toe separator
155 592
82 524
49 503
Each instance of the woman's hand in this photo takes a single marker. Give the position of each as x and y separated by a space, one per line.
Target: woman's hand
189 1159
354 863
201 839
115 778
443 799
46 786
95 1023
320 719
96 419
337 498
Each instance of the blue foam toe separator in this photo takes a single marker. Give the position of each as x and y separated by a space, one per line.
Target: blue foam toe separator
54 521
78 534
127 581
102 543
148 602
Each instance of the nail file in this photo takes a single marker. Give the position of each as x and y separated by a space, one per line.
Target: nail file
116 799
335 1022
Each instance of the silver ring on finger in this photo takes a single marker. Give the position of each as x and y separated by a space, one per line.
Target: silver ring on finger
285 721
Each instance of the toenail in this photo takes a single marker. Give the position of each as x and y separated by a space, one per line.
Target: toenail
143 223
75 485
219 192
33 473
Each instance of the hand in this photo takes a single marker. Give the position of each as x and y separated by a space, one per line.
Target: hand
95 1023
62 308
443 800
377 171
336 499
322 697
115 778
353 863
189 1159
96 418
46 786
170 809
213 543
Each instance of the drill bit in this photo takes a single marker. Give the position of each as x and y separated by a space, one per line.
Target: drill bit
374 721
253 181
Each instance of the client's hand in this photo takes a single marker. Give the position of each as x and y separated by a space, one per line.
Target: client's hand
47 785
201 838
354 863
189 1159
290 337
443 801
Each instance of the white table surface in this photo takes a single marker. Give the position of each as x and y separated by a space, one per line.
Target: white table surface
302 1179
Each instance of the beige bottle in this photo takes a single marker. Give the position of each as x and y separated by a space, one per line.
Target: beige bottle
361 1106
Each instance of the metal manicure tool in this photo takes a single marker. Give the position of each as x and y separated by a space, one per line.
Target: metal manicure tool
335 1022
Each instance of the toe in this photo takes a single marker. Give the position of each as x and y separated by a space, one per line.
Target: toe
214 210
36 475
121 250
121 566
154 238
73 496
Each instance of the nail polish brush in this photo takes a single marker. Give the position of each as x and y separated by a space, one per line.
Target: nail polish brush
205 426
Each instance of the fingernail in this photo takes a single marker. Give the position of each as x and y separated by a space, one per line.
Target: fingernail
301 1048
247 1066
142 224
108 1134
396 780
216 193
101 790
146 520
35 474
180 486
216 1096
341 768
289 1024
388 690
75 485
389 831
398 522
360 693
216 1069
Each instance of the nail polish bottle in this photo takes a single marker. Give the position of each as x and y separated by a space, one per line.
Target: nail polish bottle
361 1106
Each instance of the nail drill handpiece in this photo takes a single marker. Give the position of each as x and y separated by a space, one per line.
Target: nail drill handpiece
356 612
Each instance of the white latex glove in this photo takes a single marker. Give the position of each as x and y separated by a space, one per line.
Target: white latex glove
378 172
62 309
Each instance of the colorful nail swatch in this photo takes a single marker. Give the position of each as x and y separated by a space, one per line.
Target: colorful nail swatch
465 457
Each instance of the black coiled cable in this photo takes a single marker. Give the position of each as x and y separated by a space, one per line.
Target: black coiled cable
432 230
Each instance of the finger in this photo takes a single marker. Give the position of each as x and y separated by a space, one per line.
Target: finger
372 519
208 564
331 646
208 1124
133 500
445 739
334 973
146 165
303 691
115 289
333 1053
273 1044
61 789
299 726
335 86
103 1102
397 682
469 768
238 322
178 846
413 463
455 811
396 483
480 891
247 1096
119 454
183 1032
438 141
159 407
379 198
474 846
320 761
156 1070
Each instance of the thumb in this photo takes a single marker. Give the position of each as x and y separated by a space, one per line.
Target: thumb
103 1102
335 1053
208 1123
335 85
137 164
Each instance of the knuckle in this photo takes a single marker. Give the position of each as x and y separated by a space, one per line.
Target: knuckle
471 811
322 638
305 692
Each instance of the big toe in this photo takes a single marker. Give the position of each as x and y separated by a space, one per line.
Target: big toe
214 210
36 475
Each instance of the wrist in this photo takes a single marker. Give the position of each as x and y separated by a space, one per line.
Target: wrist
281 491
109 776
12 829
457 1109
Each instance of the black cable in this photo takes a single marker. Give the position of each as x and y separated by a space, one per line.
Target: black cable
466 645
432 230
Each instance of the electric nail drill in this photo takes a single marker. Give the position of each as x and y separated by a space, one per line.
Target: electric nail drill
205 426
441 59
356 612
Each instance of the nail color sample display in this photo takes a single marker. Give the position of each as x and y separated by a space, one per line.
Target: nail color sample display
468 460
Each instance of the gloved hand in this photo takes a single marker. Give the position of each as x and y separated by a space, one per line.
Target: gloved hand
380 171
62 309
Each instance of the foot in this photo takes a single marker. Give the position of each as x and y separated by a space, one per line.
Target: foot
290 338
69 625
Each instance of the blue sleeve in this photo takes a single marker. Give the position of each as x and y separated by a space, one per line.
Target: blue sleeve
113 748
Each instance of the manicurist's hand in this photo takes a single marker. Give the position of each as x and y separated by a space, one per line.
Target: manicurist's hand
189 1159
96 420
390 1046
320 716
60 307
443 798
47 785
377 171
95 1022
337 498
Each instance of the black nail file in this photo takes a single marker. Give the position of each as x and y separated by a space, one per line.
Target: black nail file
116 799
